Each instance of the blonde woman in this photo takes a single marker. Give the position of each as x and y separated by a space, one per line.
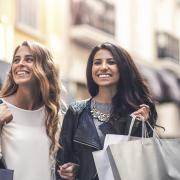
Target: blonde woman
30 98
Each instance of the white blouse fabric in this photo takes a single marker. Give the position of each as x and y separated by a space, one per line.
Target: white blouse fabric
25 144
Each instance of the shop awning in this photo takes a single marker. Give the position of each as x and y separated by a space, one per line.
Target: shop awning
163 83
171 85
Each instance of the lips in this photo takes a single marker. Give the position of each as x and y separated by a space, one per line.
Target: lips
21 72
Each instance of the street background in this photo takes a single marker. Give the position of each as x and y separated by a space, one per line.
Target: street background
148 29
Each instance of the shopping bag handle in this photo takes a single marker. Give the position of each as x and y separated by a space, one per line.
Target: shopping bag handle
144 128
132 124
154 131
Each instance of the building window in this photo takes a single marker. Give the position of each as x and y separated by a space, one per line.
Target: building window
27 15
167 46
99 14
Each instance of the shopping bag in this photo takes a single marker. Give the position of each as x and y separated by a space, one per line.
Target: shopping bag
146 159
103 166
6 174
101 159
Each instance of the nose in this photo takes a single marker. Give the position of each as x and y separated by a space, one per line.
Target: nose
104 65
21 62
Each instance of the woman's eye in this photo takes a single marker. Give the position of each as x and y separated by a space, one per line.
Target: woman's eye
16 61
111 62
29 60
97 62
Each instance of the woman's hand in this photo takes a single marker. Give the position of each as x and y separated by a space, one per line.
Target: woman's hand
68 171
5 114
142 113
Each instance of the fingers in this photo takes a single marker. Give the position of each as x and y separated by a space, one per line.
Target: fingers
68 171
144 105
142 113
68 176
70 167
5 114
67 165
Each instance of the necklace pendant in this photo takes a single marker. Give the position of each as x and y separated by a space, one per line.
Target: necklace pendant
102 117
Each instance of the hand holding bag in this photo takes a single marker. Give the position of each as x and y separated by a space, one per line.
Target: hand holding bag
146 159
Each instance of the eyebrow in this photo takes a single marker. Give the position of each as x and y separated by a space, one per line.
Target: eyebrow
106 58
25 56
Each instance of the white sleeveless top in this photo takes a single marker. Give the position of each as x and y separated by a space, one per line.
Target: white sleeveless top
25 144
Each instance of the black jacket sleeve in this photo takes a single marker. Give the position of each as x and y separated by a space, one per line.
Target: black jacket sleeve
65 153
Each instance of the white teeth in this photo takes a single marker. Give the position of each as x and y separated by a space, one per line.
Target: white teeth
104 75
21 73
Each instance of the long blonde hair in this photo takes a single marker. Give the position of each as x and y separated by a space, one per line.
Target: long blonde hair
47 77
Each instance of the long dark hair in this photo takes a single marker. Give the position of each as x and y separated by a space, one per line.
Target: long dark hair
131 88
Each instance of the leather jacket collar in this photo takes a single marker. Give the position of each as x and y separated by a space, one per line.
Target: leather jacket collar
86 132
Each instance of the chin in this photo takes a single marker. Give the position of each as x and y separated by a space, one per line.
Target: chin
106 85
22 82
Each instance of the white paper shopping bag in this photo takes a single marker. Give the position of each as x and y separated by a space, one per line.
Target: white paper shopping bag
101 158
103 165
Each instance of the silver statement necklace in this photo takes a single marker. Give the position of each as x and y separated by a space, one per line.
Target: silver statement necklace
97 114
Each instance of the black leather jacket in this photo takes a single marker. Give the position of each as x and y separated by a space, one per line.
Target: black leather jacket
79 138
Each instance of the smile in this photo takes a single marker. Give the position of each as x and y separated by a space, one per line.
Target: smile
22 72
104 75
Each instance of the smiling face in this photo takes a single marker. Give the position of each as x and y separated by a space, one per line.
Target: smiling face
105 72
22 66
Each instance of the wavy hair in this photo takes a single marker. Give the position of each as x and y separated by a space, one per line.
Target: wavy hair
131 88
47 77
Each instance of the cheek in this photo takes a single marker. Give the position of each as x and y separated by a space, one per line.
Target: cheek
117 74
33 71
33 77
118 77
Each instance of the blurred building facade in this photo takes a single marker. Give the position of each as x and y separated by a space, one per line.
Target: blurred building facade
148 29
39 20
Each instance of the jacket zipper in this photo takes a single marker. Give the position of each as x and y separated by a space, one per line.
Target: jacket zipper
85 144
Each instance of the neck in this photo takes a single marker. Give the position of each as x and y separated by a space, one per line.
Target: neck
25 98
105 95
